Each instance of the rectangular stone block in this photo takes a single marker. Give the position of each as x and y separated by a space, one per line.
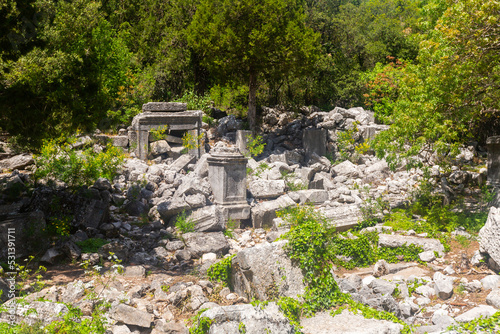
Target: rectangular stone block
314 141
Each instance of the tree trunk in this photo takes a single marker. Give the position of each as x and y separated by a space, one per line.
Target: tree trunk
252 100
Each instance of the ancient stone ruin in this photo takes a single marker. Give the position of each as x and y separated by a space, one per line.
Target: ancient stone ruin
157 115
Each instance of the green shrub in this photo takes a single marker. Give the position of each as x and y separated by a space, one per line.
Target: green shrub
183 224
61 162
91 245
255 145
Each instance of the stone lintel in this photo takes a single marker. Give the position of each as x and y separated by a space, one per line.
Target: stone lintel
164 106
154 120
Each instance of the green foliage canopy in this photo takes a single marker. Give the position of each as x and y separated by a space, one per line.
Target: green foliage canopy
248 39
451 94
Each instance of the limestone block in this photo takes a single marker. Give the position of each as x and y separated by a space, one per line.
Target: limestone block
428 244
264 213
484 311
131 316
267 188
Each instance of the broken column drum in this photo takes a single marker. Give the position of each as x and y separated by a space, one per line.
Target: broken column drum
227 175
158 114
493 145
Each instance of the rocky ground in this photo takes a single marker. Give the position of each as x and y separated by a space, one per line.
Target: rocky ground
164 281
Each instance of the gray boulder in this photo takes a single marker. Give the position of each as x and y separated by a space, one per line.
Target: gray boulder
172 207
489 235
34 312
208 219
254 319
443 286
347 168
266 272
159 147
20 161
131 316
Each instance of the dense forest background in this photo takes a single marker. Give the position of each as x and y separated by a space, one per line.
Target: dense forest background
428 67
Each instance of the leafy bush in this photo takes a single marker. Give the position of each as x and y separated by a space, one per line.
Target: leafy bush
221 271
61 162
196 102
91 245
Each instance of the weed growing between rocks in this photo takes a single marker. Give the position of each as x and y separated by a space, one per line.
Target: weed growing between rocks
183 224
221 271
255 145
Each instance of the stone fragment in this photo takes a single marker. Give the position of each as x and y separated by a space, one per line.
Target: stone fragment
159 147
43 312
209 219
134 271
342 217
493 298
347 169
181 162
164 106
381 268
20 161
264 213
314 141
120 141
484 311
443 286
171 327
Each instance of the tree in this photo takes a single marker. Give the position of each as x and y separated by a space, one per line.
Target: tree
68 77
252 38
452 95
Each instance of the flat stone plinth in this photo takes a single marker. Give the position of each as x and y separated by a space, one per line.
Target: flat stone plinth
164 106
